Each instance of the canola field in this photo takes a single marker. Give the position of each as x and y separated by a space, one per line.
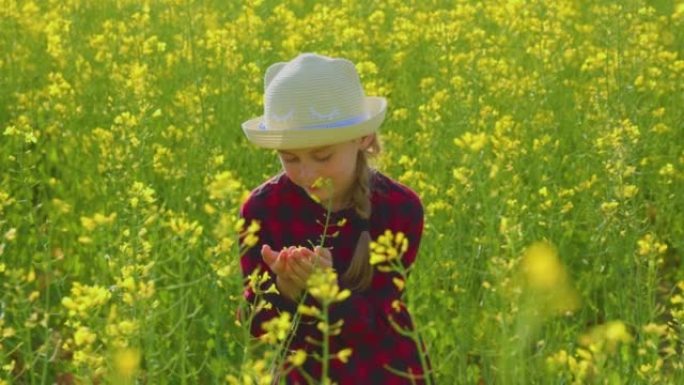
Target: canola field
545 138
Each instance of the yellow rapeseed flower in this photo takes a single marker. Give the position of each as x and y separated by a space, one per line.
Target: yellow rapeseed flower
277 328
388 247
83 336
344 354
546 279
542 268
322 285
127 362
297 358
471 142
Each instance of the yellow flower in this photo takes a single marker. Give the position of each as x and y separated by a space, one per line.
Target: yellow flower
308 310
471 142
254 227
101 219
343 355
251 240
83 336
224 185
297 358
34 296
616 331
652 328
607 335
128 327
276 328
85 298
322 285
609 207
88 223
399 283
11 234
546 279
388 247
126 362
8 332
542 267
628 191
9 367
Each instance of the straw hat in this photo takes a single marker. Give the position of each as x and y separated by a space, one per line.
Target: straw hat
312 101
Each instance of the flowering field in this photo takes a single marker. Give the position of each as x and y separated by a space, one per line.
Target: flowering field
546 140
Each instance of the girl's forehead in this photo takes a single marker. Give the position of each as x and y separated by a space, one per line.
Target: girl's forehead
313 150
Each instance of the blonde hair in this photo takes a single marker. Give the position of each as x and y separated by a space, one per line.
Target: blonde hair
359 275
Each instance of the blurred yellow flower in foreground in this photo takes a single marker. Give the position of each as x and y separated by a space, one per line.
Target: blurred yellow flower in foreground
545 277
541 267
126 362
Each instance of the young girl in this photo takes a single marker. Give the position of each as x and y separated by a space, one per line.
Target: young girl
323 126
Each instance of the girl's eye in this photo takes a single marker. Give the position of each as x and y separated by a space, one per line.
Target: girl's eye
323 159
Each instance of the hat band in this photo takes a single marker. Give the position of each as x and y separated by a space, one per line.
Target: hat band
339 123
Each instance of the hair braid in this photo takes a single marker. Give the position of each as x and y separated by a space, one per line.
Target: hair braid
360 273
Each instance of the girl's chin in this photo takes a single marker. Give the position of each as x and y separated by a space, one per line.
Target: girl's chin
318 193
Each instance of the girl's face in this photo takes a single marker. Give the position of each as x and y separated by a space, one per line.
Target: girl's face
334 162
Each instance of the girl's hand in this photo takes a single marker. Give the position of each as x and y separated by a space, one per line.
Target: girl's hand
300 266
288 288
323 257
277 262
294 265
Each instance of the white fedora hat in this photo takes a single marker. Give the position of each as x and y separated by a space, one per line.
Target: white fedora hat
312 101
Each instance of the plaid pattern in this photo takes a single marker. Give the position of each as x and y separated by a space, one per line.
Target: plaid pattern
289 217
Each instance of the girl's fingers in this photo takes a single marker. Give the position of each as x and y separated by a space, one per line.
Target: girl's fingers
307 253
298 270
280 265
297 280
278 268
324 255
268 254
305 265
296 263
323 252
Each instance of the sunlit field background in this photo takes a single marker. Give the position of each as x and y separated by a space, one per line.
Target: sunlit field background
545 138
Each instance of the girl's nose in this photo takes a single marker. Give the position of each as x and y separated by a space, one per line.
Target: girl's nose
307 175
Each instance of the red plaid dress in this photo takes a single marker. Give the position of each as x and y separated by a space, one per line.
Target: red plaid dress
289 217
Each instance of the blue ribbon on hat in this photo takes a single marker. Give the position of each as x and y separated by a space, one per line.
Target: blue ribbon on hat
340 123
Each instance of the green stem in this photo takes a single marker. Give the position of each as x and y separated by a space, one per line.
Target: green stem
48 271
183 312
327 219
413 334
325 359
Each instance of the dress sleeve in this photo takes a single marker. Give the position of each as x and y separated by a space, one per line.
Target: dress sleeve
250 261
367 313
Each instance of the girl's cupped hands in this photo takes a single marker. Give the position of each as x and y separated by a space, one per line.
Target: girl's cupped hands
296 264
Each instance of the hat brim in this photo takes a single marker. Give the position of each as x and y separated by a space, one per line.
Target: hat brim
313 137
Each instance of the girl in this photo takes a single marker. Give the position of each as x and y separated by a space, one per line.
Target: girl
323 126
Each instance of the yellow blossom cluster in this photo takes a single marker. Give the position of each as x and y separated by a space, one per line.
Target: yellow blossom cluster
323 286
388 247
83 303
597 346
84 299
